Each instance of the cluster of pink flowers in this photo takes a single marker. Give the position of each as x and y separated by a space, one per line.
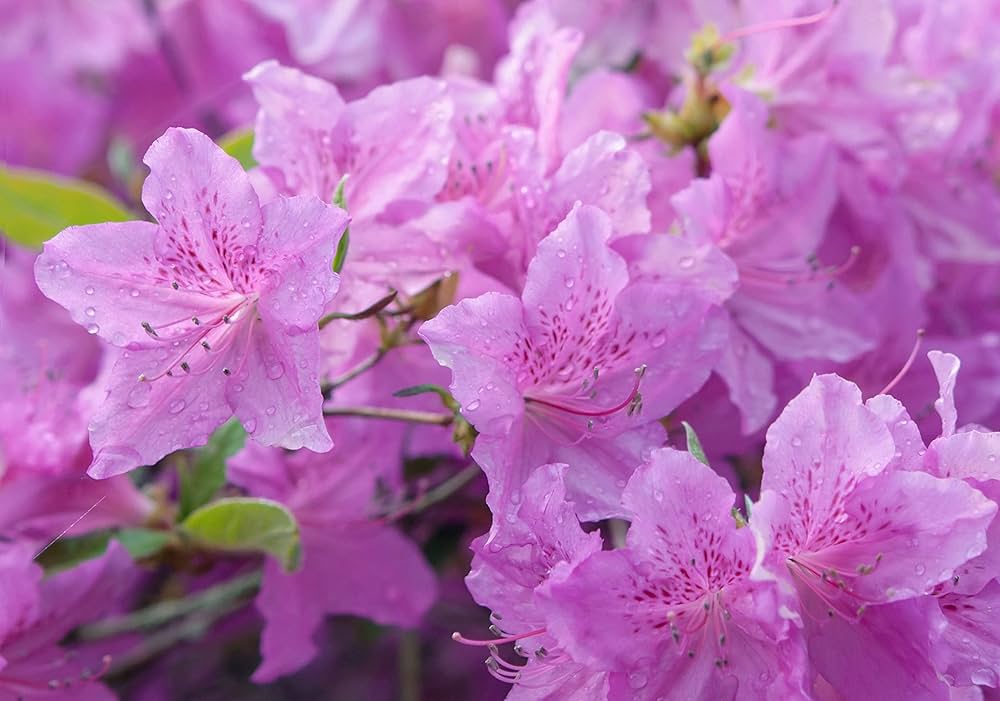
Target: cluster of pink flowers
641 288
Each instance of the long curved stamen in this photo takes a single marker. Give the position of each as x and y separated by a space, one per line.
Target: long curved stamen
183 361
831 586
907 365
771 25
632 398
459 638
85 677
770 278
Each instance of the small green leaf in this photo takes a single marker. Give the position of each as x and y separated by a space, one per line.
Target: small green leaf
66 553
142 542
246 525
423 389
201 480
35 206
345 239
446 399
363 314
694 445
239 145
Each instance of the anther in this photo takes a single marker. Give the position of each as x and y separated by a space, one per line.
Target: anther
204 344
185 367
196 321
225 319
148 328
175 285
227 372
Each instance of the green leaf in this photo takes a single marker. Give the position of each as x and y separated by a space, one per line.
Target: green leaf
694 445
363 314
345 239
246 525
66 553
35 206
239 145
206 476
422 389
142 542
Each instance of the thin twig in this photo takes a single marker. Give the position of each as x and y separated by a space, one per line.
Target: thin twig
187 630
438 493
165 611
375 412
359 369
409 666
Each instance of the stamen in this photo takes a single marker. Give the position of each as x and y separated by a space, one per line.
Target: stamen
774 278
907 365
578 411
148 328
771 25
459 638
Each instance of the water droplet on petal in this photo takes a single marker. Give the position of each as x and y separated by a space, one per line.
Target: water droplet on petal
250 425
275 370
177 406
92 329
89 289
637 680
139 396
658 340
796 441
686 263
473 405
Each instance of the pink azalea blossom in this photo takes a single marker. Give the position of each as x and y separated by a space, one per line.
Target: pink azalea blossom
214 308
539 539
45 362
852 530
352 562
573 362
38 613
676 612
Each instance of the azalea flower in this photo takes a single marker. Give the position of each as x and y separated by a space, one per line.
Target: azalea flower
214 307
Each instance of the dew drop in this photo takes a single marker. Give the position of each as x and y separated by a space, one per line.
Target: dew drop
92 329
686 263
473 405
637 680
250 425
275 370
796 441
90 311
89 289
658 340
270 411
139 396
177 406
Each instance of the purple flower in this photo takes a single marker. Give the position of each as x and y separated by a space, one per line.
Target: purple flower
37 615
214 308
862 538
676 611
352 562
537 540
46 364
564 364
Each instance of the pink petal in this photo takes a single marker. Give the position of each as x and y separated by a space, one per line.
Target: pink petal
369 571
207 210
